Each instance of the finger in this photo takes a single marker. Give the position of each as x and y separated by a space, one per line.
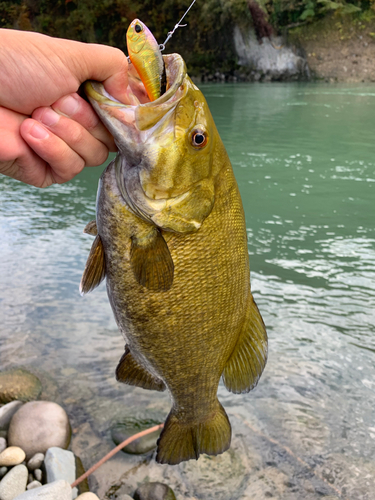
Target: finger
64 163
76 137
76 108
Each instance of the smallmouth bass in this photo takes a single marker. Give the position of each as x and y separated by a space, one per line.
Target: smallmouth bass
170 238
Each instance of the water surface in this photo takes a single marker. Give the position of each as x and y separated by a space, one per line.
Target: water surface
303 155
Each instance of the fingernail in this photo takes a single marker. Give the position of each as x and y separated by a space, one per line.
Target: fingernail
38 132
69 106
49 117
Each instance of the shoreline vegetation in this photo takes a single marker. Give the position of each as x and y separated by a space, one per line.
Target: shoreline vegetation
337 38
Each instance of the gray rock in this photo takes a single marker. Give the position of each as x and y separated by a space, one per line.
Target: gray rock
3 471
3 444
36 461
38 474
60 464
33 484
13 455
31 478
39 425
59 490
6 413
126 429
19 384
154 491
14 483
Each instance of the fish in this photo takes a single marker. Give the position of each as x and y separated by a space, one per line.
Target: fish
145 55
170 239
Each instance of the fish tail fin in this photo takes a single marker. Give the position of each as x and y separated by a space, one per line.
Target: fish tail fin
181 441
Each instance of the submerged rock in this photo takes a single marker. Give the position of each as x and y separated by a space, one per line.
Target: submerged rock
12 456
154 491
14 483
126 429
59 490
6 413
39 425
60 464
19 384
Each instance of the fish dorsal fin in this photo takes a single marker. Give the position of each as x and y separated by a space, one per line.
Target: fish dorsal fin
94 272
91 228
247 362
129 371
151 261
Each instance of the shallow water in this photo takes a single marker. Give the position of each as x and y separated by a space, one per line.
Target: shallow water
304 158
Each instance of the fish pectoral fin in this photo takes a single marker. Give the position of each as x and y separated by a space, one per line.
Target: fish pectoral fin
247 362
151 261
94 272
181 441
91 228
187 213
130 372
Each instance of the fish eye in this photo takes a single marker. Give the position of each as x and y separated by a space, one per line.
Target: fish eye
199 138
138 28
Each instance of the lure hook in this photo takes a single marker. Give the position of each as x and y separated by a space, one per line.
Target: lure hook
178 25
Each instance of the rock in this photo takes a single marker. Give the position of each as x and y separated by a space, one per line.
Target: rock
3 444
6 413
59 490
19 384
14 483
36 461
154 491
60 464
33 484
12 456
123 430
3 471
90 496
31 478
38 474
39 425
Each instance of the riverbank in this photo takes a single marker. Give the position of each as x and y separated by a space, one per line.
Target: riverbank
339 49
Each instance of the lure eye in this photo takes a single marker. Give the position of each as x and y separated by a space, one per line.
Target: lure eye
138 28
199 139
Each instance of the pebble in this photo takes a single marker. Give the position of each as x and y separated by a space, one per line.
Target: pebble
19 384
89 496
36 461
3 444
12 456
60 464
154 491
3 471
6 413
38 474
33 484
14 483
39 425
122 431
59 490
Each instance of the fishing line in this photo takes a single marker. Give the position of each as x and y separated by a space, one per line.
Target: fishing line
178 25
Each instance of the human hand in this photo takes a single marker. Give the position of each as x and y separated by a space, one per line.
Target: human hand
39 78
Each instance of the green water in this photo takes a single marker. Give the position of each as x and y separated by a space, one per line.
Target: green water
304 158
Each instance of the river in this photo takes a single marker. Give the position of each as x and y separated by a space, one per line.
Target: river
304 158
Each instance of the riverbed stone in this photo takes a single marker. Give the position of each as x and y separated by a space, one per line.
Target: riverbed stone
12 456
38 474
36 461
60 464
14 483
59 490
3 444
33 484
126 429
6 413
90 496
3 471
19 384
154 491
39 425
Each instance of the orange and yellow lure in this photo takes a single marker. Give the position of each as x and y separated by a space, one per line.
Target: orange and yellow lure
145 55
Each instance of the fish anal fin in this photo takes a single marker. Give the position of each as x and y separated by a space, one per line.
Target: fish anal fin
181 441
130 372
94 272
247 362
91 228
151 261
